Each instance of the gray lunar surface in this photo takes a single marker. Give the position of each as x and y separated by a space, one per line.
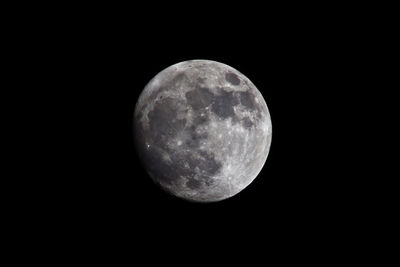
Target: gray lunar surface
202 130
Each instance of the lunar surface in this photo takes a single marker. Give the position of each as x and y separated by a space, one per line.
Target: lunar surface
202 130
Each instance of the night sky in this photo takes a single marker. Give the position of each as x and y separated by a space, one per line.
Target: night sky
299 65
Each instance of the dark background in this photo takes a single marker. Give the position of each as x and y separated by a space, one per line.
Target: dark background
295 70
76 72
99 62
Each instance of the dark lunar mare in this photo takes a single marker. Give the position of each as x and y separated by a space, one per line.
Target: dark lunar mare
223 104
164 126
199 98
232 78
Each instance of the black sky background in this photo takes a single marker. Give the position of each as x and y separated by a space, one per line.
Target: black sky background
302 65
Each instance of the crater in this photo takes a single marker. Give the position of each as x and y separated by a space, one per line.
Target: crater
232 78
247 123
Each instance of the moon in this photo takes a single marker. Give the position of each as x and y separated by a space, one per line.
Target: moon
202 130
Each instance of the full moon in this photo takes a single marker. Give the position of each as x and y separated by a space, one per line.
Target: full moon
202 130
